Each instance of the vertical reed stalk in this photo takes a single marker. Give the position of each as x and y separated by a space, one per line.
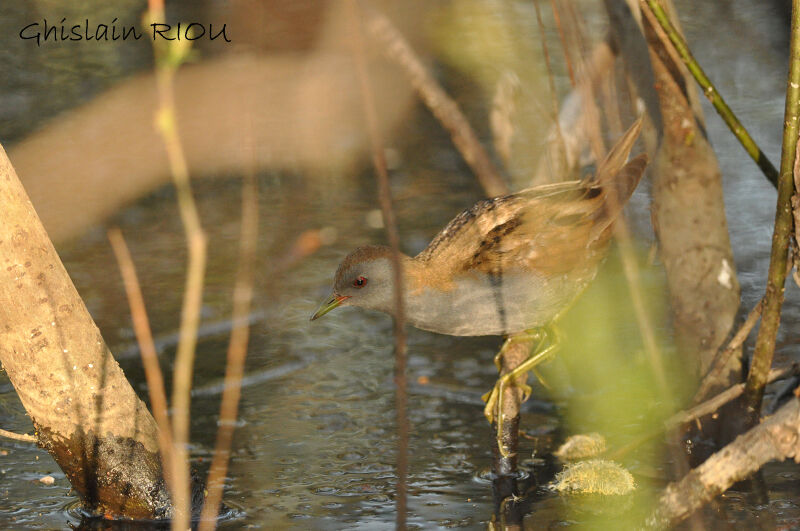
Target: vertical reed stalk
144 337
237 350
712 94
167 61
773 299
385 198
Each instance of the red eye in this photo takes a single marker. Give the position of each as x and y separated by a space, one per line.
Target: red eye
360 282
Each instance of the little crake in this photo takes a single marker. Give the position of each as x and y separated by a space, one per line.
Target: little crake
506 264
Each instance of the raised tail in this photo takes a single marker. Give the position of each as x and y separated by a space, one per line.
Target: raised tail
618 178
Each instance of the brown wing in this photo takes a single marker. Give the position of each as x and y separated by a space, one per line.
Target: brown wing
550 234
462 237
558 233
554 229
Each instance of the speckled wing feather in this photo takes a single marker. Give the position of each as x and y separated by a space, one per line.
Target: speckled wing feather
536 238
527 229
558 233
460 239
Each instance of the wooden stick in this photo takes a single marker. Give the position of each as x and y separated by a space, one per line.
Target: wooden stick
774 438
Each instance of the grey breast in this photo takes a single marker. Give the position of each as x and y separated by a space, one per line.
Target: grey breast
480 304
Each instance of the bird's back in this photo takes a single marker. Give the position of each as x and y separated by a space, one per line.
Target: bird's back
553 228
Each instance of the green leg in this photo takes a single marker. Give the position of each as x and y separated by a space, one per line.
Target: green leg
540 353
534 334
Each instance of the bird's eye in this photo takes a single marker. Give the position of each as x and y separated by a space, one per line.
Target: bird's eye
360 282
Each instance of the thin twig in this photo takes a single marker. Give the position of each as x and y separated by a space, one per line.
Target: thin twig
796 215
385 198
551 80
773 299
774 438
631 268
147 349
712 93
714 403
193 294
706 408
563 37
720 361
237 350
24 437
440 104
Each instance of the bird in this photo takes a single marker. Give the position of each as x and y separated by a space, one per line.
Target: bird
504 266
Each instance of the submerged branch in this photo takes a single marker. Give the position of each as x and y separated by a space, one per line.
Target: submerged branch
777 437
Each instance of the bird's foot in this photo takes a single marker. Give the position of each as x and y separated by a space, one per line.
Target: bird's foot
494 404
536 335
548 343
492 398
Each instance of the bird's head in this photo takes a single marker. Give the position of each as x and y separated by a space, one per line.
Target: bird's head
364 279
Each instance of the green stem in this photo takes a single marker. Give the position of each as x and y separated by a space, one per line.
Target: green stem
765 343
712 94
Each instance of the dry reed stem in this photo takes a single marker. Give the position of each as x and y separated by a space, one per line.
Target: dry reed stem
237 351
562 36
551 79
720 361
645 324
502 114
147 349
565 140
400 47
24 437
587 87
443 107
167 126
776 277
796 213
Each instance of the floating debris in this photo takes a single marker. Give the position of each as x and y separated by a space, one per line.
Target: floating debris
581 446
595 476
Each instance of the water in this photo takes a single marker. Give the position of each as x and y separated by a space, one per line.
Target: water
315 443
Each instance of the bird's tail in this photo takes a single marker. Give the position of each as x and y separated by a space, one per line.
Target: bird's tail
618 176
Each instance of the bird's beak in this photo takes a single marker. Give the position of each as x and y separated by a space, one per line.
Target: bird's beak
330 303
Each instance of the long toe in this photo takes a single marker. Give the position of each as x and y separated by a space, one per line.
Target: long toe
491 403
